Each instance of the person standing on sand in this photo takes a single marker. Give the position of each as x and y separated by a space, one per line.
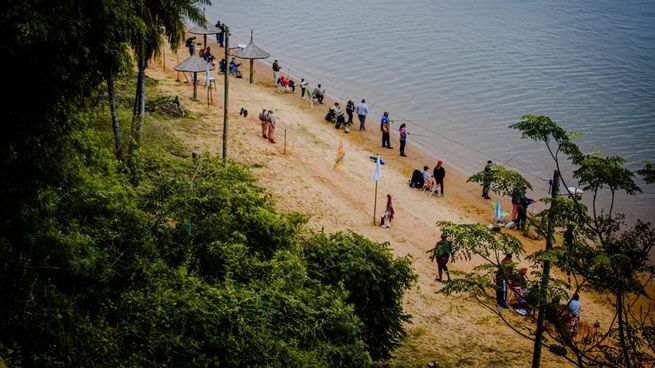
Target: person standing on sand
263 119
303 87
385 221
403 139
350 108
503 274
442 258
190 43
386 137
439 175
486 180
362 110
221 33
276 72
271 126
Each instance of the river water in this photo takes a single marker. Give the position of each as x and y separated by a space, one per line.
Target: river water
459 72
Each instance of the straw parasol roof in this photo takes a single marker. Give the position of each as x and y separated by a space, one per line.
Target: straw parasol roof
204 31
194 64
251 51
209 30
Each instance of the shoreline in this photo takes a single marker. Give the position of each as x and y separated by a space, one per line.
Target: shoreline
304 180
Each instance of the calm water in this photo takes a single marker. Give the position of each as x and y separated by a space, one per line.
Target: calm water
460 71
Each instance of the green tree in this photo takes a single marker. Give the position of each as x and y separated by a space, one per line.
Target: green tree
374 280
607 255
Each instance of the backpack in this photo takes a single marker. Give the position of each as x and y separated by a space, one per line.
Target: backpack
417 179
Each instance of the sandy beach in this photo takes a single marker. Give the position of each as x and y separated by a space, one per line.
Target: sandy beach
455 330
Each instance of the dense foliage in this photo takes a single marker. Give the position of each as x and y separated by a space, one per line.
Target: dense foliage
191 267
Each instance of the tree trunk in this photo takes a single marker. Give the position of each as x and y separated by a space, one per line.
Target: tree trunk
545 279
139 104
624 345
118 144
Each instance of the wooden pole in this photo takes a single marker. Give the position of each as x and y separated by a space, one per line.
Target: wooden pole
251 71
285 141
195 77
225 109
178 73
163 59
205 40
545 277
375 205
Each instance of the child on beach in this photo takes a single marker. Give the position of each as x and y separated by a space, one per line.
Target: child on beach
385 221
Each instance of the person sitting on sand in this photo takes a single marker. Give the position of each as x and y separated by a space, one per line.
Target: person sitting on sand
234 67
385 221
319 93
207 55
222 67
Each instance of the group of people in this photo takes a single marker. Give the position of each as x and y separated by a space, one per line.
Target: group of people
432 181
512 290
267 120
520 203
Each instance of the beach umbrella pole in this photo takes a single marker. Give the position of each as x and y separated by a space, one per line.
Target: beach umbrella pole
195 77
375 203
251 71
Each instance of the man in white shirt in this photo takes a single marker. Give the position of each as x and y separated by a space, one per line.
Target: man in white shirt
362 109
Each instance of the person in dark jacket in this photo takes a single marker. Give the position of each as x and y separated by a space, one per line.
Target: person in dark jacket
439 175
486 180
350 108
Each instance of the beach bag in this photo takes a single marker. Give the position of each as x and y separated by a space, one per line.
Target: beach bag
417 179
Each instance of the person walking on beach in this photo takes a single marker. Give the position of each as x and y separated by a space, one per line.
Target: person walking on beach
319 93
403 139
303 87
516 203
386 130
263 119
442 256
439 175
486 180
276 72
362 110
190 44
385 221
271 126
350 108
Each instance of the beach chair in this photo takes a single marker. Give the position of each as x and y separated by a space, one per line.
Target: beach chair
435 189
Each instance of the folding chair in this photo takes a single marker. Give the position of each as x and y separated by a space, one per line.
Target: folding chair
435 188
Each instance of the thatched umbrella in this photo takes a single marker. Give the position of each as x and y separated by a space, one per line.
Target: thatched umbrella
193 64
204 31
251 52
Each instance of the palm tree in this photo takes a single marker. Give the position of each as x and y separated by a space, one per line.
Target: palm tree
115 19
157 18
